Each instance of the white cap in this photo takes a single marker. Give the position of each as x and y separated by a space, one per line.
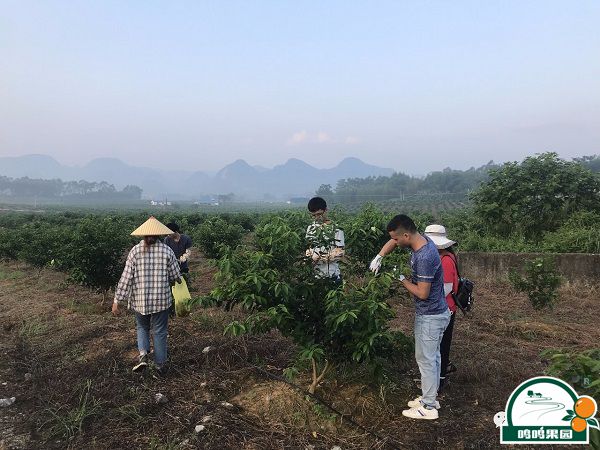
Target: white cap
437 233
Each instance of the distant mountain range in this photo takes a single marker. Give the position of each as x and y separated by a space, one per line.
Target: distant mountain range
294 178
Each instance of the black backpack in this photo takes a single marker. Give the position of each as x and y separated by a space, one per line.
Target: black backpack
464 297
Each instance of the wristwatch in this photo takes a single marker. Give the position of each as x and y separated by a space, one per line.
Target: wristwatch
402 277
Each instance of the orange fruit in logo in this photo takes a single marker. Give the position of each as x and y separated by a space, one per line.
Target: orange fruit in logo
578 424
585 407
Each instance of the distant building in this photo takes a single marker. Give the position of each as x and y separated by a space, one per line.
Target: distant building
298 200
155 203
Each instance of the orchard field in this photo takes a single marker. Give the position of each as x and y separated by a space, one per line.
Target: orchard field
68 362
272 358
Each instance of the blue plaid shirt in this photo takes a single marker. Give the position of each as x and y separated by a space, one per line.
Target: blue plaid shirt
146 280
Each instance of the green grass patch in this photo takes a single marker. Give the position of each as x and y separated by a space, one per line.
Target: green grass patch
74 353
131 413
84 308
11 274
68 422
32 328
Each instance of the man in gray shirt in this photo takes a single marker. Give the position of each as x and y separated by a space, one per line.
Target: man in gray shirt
432 315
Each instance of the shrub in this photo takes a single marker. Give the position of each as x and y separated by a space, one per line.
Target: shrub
98 247
536 195
212 235
540 283
580 369
41 244
276 283
10 243
365 234
579 234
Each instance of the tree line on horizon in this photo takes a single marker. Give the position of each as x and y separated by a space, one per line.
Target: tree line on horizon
452 183
26 188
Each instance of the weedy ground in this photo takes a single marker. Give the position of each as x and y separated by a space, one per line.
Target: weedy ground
68 362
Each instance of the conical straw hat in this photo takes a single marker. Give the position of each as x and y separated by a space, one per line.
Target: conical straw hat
151 227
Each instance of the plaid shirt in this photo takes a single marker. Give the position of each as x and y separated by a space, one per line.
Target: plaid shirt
146 280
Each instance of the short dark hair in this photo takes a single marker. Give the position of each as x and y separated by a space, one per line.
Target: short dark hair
317 203
173 227
404 222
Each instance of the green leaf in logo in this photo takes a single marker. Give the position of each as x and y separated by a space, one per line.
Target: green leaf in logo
567 417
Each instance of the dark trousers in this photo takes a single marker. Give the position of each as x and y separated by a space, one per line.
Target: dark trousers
445 346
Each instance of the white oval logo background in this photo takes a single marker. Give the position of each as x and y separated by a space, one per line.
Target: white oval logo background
542 404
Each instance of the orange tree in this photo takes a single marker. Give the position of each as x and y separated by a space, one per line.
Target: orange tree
97 249
276 284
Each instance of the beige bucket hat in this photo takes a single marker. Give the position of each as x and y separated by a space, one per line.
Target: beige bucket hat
437 233
152 227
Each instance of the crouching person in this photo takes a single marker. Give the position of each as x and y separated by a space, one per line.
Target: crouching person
150 271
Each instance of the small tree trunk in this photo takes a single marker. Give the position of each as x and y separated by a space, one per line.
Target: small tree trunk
317 379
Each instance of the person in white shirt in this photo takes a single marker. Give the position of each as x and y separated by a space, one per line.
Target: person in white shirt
327 242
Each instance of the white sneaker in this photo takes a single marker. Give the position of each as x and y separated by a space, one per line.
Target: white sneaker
416 403
421 413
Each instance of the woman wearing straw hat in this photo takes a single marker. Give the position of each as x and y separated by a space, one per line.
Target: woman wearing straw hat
437 233
150 271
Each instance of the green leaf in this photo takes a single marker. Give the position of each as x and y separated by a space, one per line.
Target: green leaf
593 422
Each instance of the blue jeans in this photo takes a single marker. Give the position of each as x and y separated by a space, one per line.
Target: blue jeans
158 323
429 331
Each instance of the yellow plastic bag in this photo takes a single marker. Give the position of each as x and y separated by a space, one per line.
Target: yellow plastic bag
182 297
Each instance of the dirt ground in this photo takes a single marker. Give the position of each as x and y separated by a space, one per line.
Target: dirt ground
68 363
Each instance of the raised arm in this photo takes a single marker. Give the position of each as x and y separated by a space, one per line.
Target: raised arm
388 248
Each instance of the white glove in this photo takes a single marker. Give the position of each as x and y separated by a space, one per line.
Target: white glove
183 258
376 264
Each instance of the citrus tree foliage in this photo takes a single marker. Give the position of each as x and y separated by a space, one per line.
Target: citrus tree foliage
214 234
579 234
275 282
580 369
91 249
540 282
39 244
365 234
536 195
97 252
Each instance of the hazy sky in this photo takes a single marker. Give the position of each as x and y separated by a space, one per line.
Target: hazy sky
414 85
